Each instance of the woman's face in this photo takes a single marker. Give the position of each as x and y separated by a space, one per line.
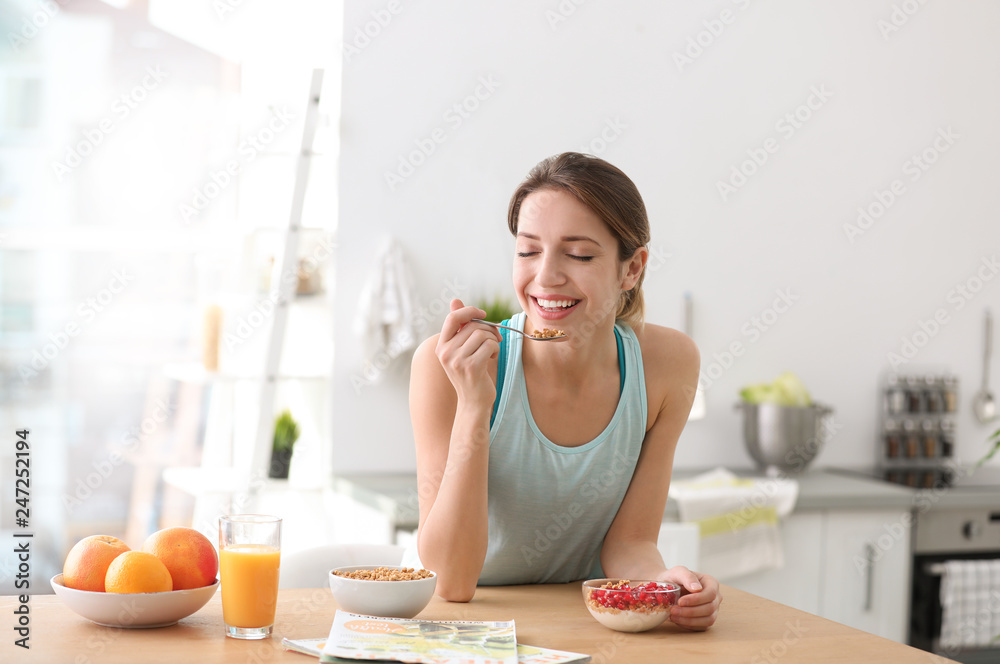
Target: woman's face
566 268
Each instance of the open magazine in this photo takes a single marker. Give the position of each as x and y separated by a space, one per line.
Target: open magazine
525 654
357 637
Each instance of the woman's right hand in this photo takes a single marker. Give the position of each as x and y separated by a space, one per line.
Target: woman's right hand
467 351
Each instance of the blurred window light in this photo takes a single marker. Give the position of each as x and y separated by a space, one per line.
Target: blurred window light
112 125
22 100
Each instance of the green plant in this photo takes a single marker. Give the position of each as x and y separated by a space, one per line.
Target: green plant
286 432
995 439
498 310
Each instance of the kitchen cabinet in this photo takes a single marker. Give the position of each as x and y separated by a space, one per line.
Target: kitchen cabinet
850 566
867 571
796 584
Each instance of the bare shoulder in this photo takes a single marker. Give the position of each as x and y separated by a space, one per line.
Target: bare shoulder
425 352
666 351
426 369
671 363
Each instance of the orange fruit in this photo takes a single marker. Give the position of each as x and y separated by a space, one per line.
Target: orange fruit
137 572
188 555
87 563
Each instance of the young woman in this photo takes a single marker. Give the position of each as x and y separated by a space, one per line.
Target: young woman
549 462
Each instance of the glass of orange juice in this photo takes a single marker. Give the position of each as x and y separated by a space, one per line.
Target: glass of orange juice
249 559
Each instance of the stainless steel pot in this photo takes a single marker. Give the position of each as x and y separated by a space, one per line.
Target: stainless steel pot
783 439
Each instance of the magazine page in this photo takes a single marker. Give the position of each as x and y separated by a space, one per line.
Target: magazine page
358 637
525 654
533 655
312 647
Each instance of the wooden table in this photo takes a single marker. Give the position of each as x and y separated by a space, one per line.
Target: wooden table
750 629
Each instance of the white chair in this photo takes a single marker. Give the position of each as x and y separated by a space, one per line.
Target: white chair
310 568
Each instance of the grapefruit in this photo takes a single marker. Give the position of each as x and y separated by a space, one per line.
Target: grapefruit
87 563
187 554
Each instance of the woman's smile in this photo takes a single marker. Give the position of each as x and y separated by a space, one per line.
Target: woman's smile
554 307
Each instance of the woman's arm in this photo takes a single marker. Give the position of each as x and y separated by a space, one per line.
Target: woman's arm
671 365
452 389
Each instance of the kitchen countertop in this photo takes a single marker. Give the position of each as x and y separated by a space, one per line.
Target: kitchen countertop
395 494
749 629
826 489
975 489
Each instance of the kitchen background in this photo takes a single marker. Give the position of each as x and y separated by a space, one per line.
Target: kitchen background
820 178
849 102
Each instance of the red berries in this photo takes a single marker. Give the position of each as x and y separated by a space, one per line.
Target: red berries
623 597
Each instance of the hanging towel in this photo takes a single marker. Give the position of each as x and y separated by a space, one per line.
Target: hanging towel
970 603
385 318
738 519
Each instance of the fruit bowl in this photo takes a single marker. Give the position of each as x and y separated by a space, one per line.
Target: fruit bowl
630 606
134 609
387 599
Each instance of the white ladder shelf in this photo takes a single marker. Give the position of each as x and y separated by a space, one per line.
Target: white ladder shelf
286 264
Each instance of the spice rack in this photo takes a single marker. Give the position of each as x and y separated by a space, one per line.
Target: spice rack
917 436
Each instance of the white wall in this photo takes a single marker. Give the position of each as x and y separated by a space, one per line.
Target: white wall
683 129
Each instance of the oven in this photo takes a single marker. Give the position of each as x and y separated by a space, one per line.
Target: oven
941 535
959 519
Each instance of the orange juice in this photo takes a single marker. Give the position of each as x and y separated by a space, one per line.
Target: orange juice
249 584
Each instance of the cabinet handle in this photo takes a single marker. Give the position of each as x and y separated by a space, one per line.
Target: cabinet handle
869 575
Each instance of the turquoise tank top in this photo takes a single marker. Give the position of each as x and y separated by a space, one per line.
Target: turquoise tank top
550 506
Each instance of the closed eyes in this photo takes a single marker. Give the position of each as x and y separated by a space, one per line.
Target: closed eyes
528 254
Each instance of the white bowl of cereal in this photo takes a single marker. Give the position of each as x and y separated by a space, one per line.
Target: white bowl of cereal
382 590
630 606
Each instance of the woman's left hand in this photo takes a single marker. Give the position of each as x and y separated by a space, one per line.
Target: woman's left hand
698 606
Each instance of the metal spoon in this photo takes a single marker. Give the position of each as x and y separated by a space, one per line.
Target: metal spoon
561 337
984 405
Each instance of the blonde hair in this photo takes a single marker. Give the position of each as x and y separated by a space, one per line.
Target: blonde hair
610 194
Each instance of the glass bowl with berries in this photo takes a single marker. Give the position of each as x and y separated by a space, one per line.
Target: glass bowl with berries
630 606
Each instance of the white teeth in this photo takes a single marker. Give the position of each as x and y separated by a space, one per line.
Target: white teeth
550 304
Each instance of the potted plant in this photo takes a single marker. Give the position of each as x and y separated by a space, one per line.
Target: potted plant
286 432
995 440
499 310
